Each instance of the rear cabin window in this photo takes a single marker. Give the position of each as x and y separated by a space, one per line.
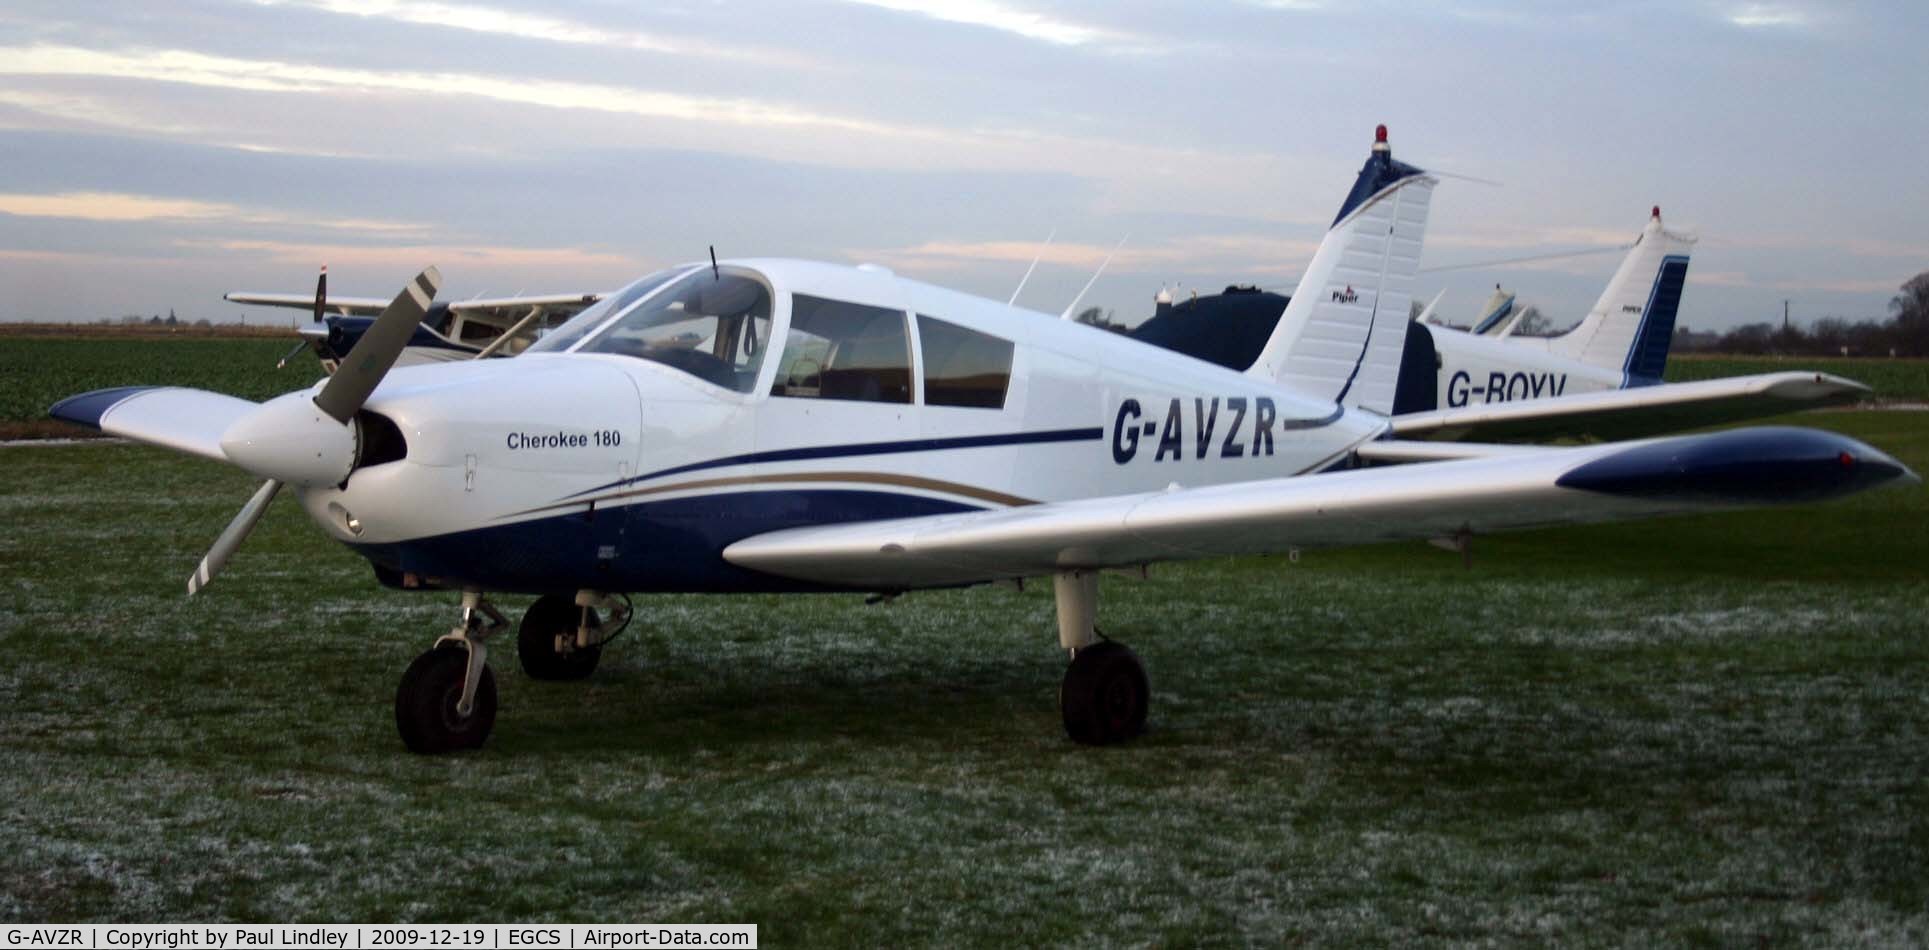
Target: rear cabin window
839 350
963 367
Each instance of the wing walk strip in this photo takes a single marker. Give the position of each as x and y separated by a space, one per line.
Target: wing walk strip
862 478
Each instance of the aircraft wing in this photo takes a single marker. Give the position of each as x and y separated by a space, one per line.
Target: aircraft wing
1634 413
1502 492
500 311
185 420
346 306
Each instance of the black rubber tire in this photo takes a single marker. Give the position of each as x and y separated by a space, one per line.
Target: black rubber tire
426 701
536 640
1104 695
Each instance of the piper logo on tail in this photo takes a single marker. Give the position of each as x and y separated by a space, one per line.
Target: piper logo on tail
1345 296
1503 387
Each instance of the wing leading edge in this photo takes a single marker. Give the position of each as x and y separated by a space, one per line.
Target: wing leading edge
1634 413
1507 492
185 420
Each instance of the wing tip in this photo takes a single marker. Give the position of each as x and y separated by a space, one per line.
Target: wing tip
86 409
1753 466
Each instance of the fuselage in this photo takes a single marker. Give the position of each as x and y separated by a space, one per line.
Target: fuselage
625 457
1479 370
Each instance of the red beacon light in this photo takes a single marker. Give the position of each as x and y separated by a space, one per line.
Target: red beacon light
1656 212
1379 135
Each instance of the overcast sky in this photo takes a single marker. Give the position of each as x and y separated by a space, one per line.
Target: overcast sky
155 155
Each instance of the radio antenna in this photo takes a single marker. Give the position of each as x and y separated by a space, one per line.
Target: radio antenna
714 273
1034 266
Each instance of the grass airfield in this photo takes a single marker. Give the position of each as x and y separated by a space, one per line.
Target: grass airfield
1706 730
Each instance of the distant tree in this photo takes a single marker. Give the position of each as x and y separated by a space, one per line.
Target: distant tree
171 321
154 321
1911 309
1752 338
1533 323
1830 335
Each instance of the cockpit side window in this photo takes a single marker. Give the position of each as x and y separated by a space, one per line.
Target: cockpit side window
713 325
963 367
840 350
569 333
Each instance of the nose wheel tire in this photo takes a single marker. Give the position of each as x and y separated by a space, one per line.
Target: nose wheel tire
1104 695
426 703
548 618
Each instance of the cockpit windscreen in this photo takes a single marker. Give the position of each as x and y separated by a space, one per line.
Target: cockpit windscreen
713 325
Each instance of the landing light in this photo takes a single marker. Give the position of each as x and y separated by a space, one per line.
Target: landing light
349 522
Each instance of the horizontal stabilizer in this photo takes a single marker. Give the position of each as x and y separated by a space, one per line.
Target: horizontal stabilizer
1510 491
1634 413
185 420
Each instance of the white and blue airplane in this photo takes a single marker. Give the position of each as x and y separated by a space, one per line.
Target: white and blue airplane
1622 343
448 332
783 425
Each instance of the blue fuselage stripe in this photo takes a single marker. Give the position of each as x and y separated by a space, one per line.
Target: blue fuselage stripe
668 545
1093 434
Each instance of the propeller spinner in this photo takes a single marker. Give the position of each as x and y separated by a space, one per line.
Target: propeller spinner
295 439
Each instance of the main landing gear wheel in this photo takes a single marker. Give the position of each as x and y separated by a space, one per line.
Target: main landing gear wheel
549 620
1104 694
427 703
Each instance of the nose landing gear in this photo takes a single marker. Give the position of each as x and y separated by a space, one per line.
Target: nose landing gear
446 701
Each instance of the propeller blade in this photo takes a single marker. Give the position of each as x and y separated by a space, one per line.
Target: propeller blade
377 350
283 362
321 293
232 536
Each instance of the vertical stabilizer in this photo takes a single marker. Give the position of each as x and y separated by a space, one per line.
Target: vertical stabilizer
1342 334
1499 307
1632 325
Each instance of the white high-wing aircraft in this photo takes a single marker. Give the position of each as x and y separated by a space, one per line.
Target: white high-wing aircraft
782 425
451 332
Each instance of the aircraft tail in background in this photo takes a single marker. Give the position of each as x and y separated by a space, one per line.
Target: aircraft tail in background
1631 327
1494 317
1344 330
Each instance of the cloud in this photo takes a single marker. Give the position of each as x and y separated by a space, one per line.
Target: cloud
464 260
200 69
497 21
1016 21
1734 278
1768 15
1719 278
117 207
92 110
1210 253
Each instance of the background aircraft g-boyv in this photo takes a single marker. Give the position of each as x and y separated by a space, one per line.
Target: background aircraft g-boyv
794 426
1601 378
